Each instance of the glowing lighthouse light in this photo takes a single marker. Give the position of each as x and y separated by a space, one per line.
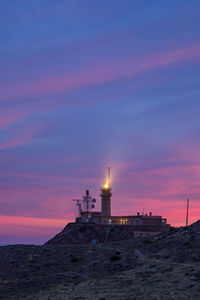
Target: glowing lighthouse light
106 185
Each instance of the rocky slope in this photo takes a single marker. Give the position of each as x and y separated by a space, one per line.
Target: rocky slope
166 266
84 233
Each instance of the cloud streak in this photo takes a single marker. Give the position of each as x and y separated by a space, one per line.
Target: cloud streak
20 136
100 74
33 222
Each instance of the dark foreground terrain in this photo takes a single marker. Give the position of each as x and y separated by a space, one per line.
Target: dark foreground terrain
166 266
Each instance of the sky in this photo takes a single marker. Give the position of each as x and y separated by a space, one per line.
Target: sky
90 84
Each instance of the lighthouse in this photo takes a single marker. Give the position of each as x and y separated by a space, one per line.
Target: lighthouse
106 197
139 224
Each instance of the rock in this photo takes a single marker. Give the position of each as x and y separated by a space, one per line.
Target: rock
83 233
115 258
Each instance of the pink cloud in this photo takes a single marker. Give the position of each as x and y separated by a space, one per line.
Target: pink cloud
28 221
21 136
7 118
14 228
15 142
100 74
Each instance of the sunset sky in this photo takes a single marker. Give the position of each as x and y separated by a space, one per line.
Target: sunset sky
90 84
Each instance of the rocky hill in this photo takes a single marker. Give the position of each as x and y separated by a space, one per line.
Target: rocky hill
166 266
84 233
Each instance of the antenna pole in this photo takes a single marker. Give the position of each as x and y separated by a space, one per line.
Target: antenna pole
187 212
109 176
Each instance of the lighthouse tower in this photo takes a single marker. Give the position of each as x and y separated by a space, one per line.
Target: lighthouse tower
106 197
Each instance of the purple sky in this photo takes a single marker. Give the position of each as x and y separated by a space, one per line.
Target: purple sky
87 84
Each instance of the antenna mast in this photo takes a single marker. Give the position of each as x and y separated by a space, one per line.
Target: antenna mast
86 204
187 212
